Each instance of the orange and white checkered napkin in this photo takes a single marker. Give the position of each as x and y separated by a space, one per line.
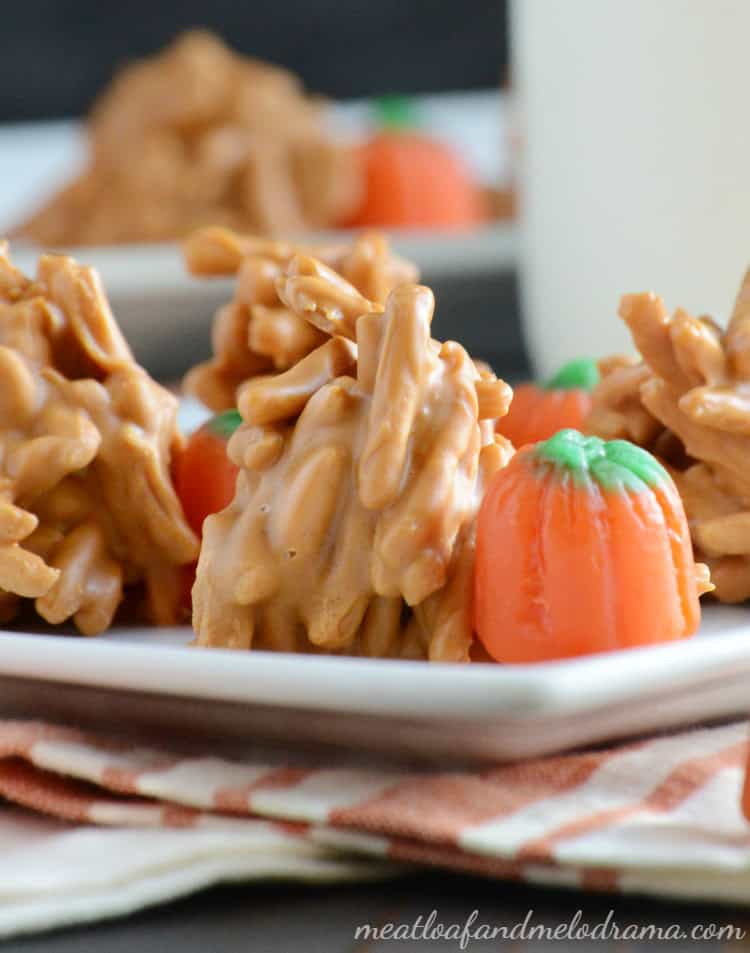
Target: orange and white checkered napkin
94 827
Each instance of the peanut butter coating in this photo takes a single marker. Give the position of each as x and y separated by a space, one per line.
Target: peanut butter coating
362 469
87 505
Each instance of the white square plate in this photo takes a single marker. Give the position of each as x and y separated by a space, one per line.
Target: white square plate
147 678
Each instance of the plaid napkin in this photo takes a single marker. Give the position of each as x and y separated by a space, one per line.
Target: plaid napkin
95 827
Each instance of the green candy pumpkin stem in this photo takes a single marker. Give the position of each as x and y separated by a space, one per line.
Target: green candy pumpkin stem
395 112
611 464
580 374
224 425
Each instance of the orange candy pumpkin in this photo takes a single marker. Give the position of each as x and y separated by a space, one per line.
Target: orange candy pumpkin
415 182
582 546
412 180
204 475
205 479
538 411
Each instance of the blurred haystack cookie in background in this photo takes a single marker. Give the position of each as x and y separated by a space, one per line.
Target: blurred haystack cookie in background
199 135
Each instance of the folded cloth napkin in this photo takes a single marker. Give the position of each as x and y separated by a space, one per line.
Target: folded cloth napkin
94 826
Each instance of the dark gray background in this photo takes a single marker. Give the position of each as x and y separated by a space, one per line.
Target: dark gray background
56 54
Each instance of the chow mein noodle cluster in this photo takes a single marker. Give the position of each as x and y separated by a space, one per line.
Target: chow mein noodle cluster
87 507
688 400
361 471
200 135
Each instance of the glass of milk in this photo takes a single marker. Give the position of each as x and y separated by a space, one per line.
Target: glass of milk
634 166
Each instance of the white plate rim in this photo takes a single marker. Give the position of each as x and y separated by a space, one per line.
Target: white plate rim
156 661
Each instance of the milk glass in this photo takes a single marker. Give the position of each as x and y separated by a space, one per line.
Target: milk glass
634 166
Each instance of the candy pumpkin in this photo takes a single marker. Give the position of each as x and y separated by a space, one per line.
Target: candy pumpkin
583 546
204 475
539 410
412 180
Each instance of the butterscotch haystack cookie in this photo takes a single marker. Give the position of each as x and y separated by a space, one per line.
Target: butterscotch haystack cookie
256 333
196 135
87 505
689 401
362 469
